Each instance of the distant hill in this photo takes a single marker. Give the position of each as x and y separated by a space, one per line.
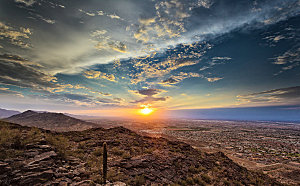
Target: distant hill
7 113
50 121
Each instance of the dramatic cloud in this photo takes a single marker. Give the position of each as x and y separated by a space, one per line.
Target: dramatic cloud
123 53
149 92
7 91
214 79
290 95
99 75
16 71
178 78
149 96
16 36
288 60
26 2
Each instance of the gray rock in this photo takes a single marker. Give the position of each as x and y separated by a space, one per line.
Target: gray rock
40 157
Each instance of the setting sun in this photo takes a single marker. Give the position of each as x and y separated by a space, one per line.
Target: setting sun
146 110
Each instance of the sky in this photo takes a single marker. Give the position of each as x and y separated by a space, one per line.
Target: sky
109 58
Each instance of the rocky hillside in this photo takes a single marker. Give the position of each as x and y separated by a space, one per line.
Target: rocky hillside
31 156
7 113
50 121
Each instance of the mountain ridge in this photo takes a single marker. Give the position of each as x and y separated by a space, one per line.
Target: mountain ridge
4 113
50 121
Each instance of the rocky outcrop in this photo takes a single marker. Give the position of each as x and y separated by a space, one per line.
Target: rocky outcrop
41 165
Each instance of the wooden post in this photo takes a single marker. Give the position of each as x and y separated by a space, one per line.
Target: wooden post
104 162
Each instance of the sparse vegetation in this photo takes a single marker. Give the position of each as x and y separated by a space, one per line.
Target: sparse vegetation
61 144
128 162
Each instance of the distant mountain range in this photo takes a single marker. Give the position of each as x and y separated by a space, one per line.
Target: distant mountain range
7 113
50 121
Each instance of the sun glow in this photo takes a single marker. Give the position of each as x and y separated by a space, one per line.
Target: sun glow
146 110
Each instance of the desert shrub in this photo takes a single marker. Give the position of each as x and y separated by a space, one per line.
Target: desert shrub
117 151
114 175
177 164
98 151
94 162
199 181
96 178
81 145
190 181
206 178
78 153
226 182
135 143
149 150
34 135
60 143
126 155
259 181
11 144
139 180
174 184
236 183
193 169
182 182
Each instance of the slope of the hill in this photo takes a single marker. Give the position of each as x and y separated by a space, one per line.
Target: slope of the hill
7 113
50 121
31 156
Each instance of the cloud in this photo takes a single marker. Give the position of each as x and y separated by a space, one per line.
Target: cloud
166 24
170 81
86 13
290 56
113 16
17 71
7 91
16 36
146 69
101 93
83 99
289 95
92 74
149 92
179 77
98 33
214 79
100 13
289 60
118 46
47 20
149 96
106 43
26 2
110 101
